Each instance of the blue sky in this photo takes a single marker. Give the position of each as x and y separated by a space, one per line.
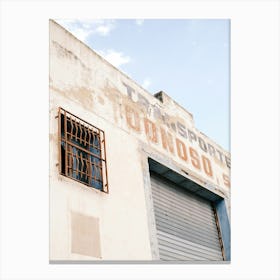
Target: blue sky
186 58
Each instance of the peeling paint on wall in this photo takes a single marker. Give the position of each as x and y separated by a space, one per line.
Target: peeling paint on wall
81 95
137 126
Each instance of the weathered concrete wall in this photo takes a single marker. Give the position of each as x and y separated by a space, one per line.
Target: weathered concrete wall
86 85
122 226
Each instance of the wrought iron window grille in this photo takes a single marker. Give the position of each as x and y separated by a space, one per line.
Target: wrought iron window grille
82 153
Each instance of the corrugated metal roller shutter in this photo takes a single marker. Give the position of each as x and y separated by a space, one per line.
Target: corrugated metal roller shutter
186 227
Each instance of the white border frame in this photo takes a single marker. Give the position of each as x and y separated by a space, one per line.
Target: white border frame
254 141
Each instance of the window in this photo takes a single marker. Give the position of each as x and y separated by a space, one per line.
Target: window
82 151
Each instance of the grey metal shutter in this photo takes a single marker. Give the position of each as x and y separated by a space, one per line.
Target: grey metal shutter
186 227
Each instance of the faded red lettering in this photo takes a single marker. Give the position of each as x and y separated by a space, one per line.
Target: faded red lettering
151 131
207 166
181 149
226 180
132 118
167 140
194 158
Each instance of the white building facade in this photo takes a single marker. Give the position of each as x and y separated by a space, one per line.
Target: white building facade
131 178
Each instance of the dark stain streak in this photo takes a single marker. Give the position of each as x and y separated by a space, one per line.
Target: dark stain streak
64 52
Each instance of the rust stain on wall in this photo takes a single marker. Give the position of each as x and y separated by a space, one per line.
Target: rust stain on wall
115 97
85 235
112 93
101 100
81 95
53 137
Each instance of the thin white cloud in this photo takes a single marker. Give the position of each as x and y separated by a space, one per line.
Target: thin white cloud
82 29
139 21
103 30
146 83
114 57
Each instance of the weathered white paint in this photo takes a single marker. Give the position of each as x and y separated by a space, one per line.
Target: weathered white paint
86 85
